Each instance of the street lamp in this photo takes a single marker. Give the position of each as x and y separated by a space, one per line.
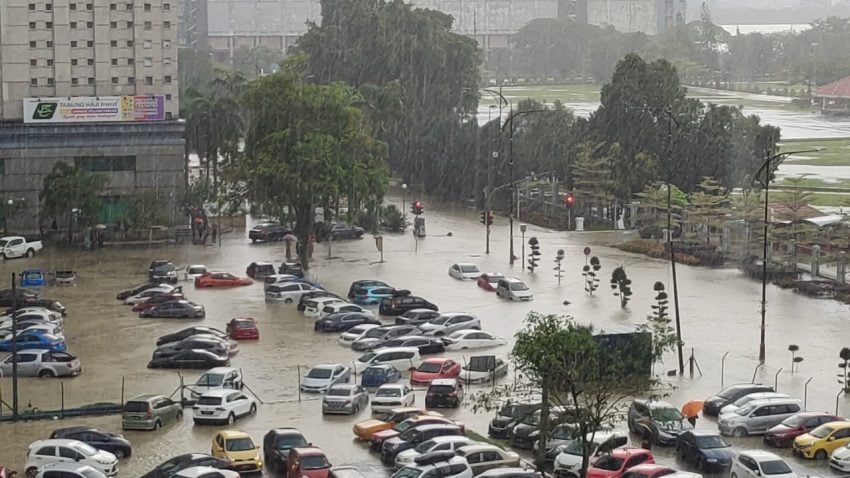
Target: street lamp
403 192
766 186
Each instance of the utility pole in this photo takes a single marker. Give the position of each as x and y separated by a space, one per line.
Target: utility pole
487 203
14 350
670 121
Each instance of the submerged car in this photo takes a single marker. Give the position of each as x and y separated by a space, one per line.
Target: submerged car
260 270
433 369
190 331
190 359
364 284
239 449
174 465
277 443
322 377
345 398
400 305
243 328
42 363
483 369
342 321
387 421
178 309
221 279
268 232
392 395
489 280
464 270
112 442
30 340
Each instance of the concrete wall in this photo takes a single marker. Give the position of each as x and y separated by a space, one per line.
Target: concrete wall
29 152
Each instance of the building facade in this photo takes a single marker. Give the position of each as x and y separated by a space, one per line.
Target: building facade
92 83
645 16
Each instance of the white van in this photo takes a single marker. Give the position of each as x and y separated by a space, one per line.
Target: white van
402 358
512 288
216 379
313 307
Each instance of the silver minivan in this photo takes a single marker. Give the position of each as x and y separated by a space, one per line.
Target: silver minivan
512 288
758 416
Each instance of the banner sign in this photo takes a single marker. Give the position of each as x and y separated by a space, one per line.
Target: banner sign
88 109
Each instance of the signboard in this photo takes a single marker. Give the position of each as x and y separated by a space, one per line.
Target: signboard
88 109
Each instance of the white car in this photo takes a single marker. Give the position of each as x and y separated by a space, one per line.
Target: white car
758 464
335 307
205 472
349 336
464 270
194 271
729 409
44 452
223 406
483 369
568 461
446 324
472 339
314 306
143 296
840 459
443 443
49 329
32 313
320 378
448 466
512 288
218 378
69 470
278 279
392 395
288 292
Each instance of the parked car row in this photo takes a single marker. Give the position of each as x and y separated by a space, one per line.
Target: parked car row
510 288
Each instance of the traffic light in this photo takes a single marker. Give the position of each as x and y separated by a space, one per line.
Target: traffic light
570 200
483 218
416 207
490 218
534 255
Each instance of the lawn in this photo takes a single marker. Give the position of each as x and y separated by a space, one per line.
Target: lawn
835 152
581 93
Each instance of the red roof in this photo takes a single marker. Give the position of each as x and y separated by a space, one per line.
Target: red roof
836 89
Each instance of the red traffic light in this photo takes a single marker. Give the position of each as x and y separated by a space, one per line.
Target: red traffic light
570 200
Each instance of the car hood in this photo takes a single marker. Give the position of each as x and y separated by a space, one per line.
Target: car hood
781 430
719 454
386 434
417 375
320 473
315 382
500 421
371 425
805 440
674 426
523 430
842 453
242 455
104 456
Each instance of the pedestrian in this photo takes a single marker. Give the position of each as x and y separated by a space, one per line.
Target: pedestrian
54 226
691 410
311 244
214 232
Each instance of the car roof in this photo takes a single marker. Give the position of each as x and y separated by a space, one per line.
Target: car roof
233 434
455 314
343 386
444 381
398 349
58 442
436 360
838 424
650 467
74 429
308 450
286 431
768 401
704 433
218 392
196 471
71 466
144 398
222 370
392 385
451 438
477 448
465 264
760 455
627 451
513 279
328 365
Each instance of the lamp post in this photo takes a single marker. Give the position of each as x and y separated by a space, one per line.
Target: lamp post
75 212
488 192
765 183
403 196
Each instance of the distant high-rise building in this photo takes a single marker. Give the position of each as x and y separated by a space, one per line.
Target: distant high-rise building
646 16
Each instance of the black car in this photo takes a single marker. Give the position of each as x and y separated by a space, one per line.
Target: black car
562 435
343 230
190 331
364 283
523 434
178 309
426 345
731 393
705 449
342 321
197 359
656 420
21 295
509 415
444 392
48 304
168 468
260 270
197 342
416 317
111 442
302 301
277 443
136 290
268 232
291 268
400 305
162 271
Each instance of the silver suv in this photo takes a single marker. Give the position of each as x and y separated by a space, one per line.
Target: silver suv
445 324
150 412
758 416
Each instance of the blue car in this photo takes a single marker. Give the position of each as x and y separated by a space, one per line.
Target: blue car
376 375
33 278
369 295
35 341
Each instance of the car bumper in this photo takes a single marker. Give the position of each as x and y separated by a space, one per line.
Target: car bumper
335 409
665 440
442 403
496 432
717 466
778 441
247 466
216 417
841 465
138 424
808 453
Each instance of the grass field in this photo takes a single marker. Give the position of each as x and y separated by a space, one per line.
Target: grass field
834 152
582 93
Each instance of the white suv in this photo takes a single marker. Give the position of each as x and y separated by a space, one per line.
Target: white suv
223 406
445 324
759 463
314 307
45 452
436 465
69 470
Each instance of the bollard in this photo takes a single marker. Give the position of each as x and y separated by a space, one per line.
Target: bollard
298 370
815 262
62 389
836 400
722 368
122 392
776 380
806 392
756 371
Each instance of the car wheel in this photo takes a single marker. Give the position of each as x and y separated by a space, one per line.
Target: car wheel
231 419
739 432
287 301
733 475
32 471
30 252
820 455
253 410
46 373
157 425
119 453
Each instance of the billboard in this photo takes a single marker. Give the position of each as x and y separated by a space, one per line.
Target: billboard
88 109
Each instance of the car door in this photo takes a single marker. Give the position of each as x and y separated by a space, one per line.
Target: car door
16 247
688 445
761 416
490 460
242 404
169 408
474 460
217 446
27 365
447 369
635 460
45 455
68 455
750 467
362 396
336 374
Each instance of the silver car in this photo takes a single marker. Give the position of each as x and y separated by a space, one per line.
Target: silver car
42 363
348 399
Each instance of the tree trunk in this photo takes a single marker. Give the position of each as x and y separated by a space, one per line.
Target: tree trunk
544 424
304 219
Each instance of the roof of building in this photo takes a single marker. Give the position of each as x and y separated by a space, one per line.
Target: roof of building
836 89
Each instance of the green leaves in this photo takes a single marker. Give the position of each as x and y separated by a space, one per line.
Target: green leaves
67 187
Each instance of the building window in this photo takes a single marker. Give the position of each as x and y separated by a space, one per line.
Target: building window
131 61
2 167
33 81
49 62
148 62
32 6
50 81
48 6
114 80
90 43
166 24
91 81
148 43
113 6
72 6
168 97
49 43
113 24
72 25
90 61
166 6
73 62
168 115
129 6
89 6
149 80
166 43
89 24
74 81
167 79
48 25
147 7
113 43
33 62
115 62
131 81
73 43
148 25
130 43
32 25
32 44
105 164
129 24
166 61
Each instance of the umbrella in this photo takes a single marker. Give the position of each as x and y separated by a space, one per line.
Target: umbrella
692 408
290 238
100 226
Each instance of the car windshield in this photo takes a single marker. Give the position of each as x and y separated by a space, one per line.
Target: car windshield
709 442
388 392
356 330
339 392
374 372
197 270
441 389
493 279
239 444
3 243
608 462
290 441
401 427
822 431
562 433
209 400
728 393
319 373
532 419
428 367
468 269
666 414
775 467
314 462
407 472
211 379
439 320
794 421
366 358
375 333
245 324
518 286
574 448
745 410
91 473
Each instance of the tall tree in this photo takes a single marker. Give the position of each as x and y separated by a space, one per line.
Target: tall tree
592 181
68 188
708 207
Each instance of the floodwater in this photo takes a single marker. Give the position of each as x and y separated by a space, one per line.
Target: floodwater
719 315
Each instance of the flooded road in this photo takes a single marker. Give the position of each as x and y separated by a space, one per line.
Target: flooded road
719 311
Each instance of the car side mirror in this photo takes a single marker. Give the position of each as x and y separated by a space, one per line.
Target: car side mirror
830 439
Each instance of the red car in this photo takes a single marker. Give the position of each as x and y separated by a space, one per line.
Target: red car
434 368
157 299
783 435
243 328
620 460
309 462
648 470
489 280
221 279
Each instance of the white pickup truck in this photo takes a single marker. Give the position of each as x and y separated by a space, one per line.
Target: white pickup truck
17 246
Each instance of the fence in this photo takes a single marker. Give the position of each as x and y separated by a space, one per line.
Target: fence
48 400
